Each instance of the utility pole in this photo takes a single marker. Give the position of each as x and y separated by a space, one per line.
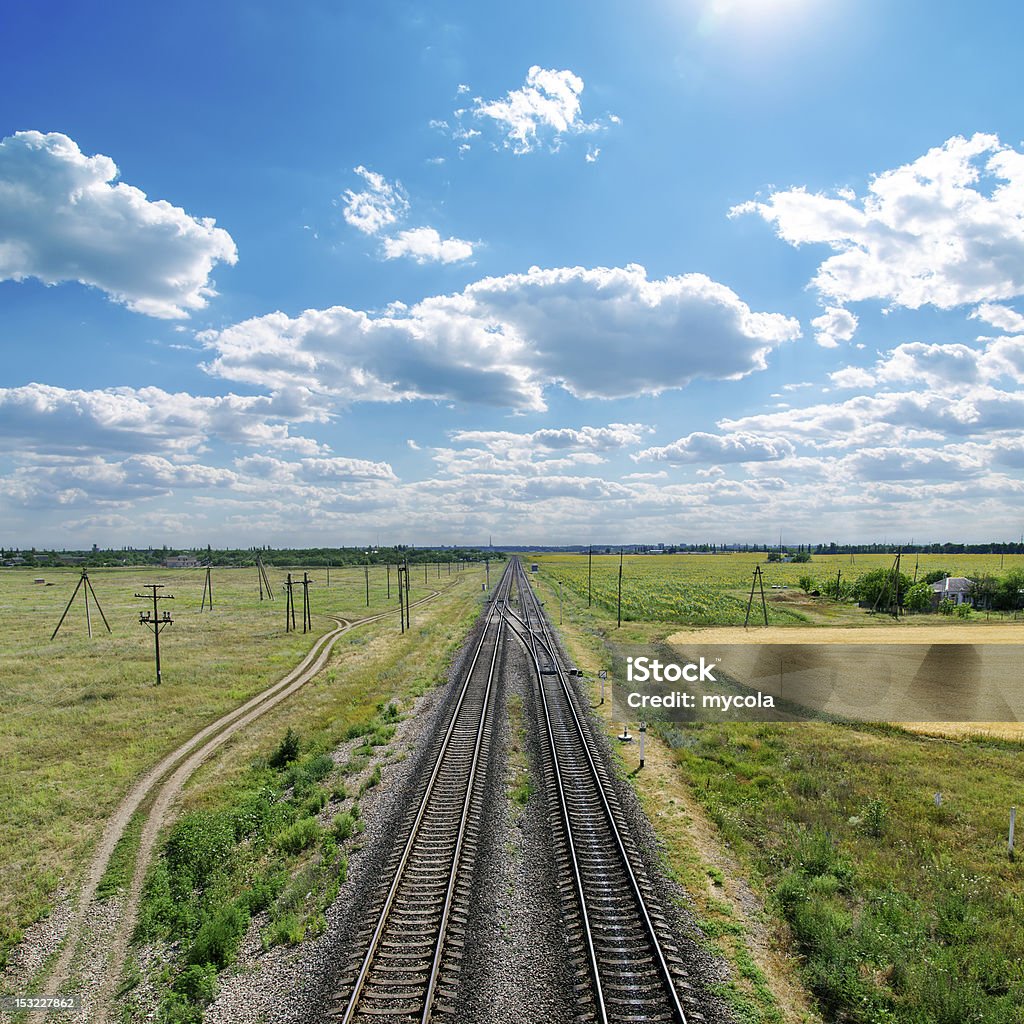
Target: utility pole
307 608
264 579
155 620
487 569
408 600
402 571
83 582
388 567
758 579
590 576
619 626
367 570
207 590
289 606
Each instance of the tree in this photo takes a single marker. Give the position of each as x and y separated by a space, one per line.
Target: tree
1009 596
877 587
919 598
801 556
935 575
807 584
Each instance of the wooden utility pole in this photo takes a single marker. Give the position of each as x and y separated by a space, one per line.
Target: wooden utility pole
758 580
367 571
590 576
207 591
307 607
86 586
264 579
620 588
155 620
289 606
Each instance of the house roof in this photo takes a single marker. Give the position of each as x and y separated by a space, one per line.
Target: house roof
953 585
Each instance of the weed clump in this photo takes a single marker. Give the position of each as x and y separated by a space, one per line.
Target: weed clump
287 750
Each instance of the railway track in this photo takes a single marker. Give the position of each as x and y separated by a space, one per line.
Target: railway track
628 965
413 953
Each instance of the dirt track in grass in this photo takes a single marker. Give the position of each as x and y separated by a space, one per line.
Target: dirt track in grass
161 786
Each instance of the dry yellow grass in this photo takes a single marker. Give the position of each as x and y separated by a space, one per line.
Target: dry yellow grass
897 633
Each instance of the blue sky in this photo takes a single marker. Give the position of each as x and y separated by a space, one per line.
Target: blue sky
705 270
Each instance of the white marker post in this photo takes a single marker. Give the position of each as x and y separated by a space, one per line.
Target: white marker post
1013 822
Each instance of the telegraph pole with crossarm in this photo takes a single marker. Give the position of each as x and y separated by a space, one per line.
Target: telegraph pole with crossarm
155 620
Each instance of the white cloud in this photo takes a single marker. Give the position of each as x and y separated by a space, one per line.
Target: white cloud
1003 317
595 439
44 419
425 245
62 218
322 471
852 377
380 205
548 99
717 448
945 230
833 326
544 111
598 333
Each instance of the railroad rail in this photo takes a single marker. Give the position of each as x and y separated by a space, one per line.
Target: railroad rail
414 950
629 967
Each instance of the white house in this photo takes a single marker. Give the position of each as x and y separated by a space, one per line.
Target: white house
957 589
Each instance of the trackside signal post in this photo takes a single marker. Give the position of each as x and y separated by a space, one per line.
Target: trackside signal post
155 619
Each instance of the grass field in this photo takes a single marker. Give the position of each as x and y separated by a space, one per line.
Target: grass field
82 718
705 590
898 908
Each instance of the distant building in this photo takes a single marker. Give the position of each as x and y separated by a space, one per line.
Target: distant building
958 589
181 562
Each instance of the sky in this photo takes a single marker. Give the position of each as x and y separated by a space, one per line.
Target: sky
690 271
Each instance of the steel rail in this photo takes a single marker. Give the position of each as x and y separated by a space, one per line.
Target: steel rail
577 877
494 615
659 956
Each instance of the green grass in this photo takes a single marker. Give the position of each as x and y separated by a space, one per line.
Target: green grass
82 718
706 590
902 911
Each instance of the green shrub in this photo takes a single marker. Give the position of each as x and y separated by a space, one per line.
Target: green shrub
288 930
372 781
200 847
875 818
298 837
816 854
287 750
344 826
219 937
198 982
